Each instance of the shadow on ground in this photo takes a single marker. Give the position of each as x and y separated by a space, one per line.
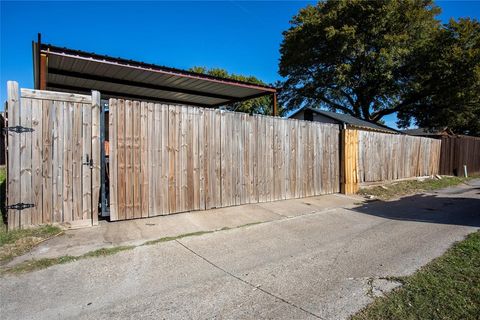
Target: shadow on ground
427 208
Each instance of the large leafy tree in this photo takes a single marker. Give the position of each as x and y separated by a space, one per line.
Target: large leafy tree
450 81
370 59
262 105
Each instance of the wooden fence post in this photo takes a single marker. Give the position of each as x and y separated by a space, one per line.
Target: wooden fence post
13 149
349 161
95 154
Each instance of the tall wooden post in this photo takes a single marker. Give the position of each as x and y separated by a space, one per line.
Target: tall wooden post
96 153
275 111
349 161
13 161
43 71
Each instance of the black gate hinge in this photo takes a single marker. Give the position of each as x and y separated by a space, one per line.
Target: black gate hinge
20 206
18 129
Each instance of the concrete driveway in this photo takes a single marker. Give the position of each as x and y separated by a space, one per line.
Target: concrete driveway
323 264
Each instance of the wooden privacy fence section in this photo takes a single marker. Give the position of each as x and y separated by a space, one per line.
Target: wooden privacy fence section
50 135
349 161
458 151
171 158
166 159
386 157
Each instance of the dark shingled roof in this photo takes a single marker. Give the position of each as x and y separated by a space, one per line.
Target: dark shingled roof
425 132
351 120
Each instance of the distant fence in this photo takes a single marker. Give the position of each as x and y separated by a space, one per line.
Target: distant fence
459 151
386 157
172 158
375 157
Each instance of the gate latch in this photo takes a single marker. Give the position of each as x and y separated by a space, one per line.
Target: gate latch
20 206
88 162
18 129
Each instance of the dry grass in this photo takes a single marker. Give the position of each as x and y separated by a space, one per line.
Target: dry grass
18 242
401 188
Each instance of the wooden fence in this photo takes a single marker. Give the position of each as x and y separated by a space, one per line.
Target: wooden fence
386 157
349 161
50 135
171 158
458 151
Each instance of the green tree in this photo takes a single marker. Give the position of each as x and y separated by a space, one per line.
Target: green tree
262 105
374 58
450 81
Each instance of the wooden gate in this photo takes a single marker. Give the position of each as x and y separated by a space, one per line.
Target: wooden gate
53 158
171 158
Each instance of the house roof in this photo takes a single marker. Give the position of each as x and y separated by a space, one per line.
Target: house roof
426 132
79 71
350 120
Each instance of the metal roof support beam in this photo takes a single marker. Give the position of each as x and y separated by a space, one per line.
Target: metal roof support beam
257 95
137 84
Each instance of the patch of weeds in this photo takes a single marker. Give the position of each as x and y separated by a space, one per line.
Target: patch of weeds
33 265
103 252
15 243
166 239
446 288
249 224
401 188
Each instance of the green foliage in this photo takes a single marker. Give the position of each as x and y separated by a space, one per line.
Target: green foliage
374 58
447 288
262 105
450 81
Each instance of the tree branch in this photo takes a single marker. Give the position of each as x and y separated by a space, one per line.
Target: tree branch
335 105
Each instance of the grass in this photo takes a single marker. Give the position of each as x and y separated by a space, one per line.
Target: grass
446 288
17 242
401 188
33 265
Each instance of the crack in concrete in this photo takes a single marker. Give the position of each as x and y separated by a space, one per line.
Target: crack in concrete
372 287
255 287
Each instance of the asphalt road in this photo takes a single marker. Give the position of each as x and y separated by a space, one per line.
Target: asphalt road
324 265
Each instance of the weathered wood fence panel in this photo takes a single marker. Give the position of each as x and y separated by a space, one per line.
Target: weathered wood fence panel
350 161
46 165
385 157
458 151
196 159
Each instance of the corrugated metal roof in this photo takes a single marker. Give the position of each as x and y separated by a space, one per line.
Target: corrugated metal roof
80 71
351 120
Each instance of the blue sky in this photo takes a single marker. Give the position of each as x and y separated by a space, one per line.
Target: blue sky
242 37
